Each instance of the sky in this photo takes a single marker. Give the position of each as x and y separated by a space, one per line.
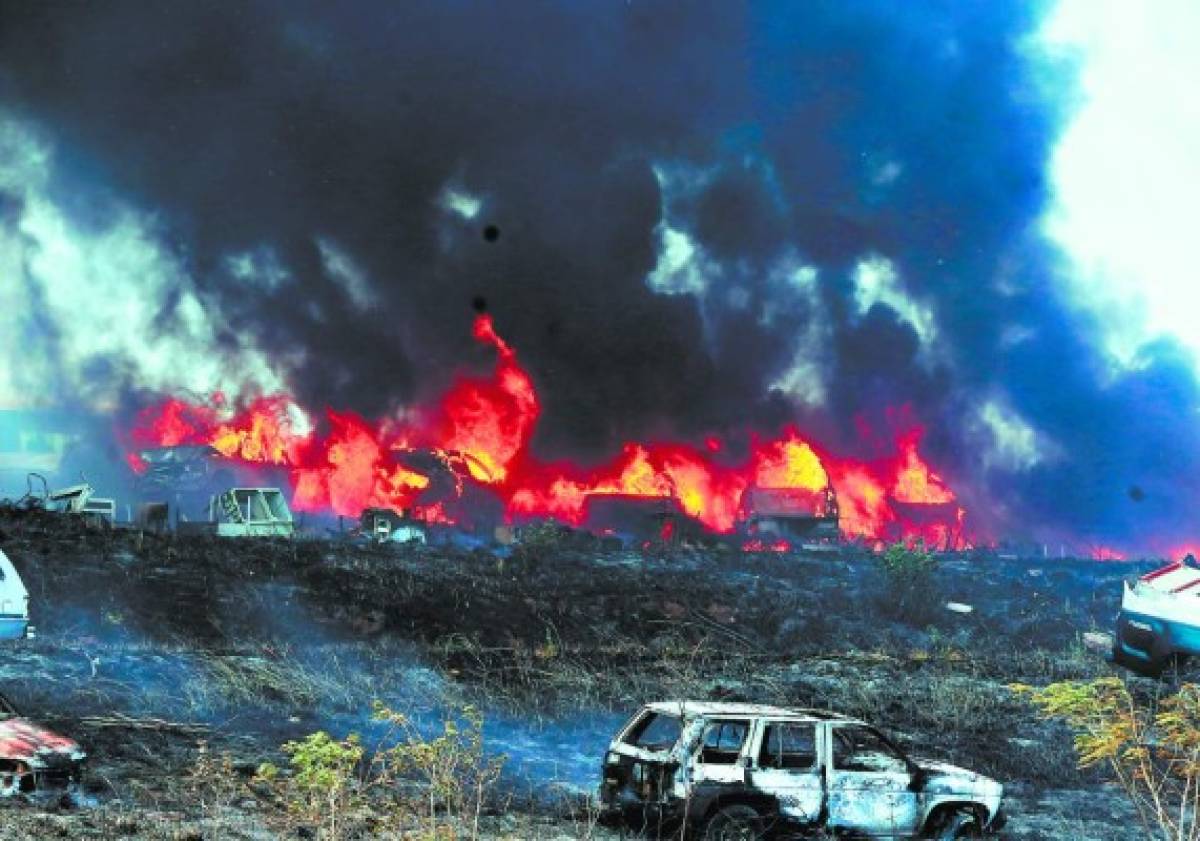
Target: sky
711 218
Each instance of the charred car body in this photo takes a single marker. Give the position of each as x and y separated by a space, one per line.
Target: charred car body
34 760
1159 622
746 771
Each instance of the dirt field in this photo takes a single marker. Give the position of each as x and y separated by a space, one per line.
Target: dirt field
167 657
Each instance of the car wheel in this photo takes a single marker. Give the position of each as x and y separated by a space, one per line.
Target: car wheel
735 823
959 825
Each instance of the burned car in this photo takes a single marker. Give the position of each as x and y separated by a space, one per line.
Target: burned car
747 771
35 760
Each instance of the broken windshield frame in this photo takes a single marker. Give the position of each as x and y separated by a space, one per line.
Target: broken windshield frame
655 732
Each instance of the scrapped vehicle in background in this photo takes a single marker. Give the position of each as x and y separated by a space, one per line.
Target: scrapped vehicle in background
34 760
746 771
383 525
1159 623
245 512
81 500
14 602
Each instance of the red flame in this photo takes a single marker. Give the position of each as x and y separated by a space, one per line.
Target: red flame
491 420
486 424
915 482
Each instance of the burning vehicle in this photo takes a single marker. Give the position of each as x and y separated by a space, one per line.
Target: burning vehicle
635 519
34 760
385 525
188 476
184 467
784 517
449 490
747 771
1159 622
14 602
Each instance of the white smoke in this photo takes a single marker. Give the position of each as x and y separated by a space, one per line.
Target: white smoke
91 307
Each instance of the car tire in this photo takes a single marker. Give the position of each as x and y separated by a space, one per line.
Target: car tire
958 825
735 823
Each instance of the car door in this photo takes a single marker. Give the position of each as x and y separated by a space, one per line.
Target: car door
786 766
720 751
869 784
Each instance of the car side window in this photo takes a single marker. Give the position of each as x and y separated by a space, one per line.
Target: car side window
862 749
723 742
789 746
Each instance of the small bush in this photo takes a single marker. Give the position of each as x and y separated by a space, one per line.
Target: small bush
451 768
1151 746
910 588
213 780
540 542
323 786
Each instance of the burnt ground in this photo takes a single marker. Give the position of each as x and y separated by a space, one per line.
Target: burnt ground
160 654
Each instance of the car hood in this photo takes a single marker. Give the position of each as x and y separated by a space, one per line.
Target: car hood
950 778
27 741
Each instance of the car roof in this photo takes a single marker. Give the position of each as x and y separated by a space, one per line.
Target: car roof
707 709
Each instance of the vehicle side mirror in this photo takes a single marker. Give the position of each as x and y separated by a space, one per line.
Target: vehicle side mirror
745 761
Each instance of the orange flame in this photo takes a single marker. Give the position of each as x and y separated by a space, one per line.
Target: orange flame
486 423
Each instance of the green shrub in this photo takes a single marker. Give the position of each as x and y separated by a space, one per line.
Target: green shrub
322 787
540 542
910 587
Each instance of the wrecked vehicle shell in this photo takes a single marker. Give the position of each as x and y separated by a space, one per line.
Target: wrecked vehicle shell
35 760
14 602
1159 622
729 768
252 512
81 500
245 512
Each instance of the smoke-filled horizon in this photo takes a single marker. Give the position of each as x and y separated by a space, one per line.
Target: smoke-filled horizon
689 218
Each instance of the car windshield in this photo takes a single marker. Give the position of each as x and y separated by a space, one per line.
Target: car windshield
656 731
